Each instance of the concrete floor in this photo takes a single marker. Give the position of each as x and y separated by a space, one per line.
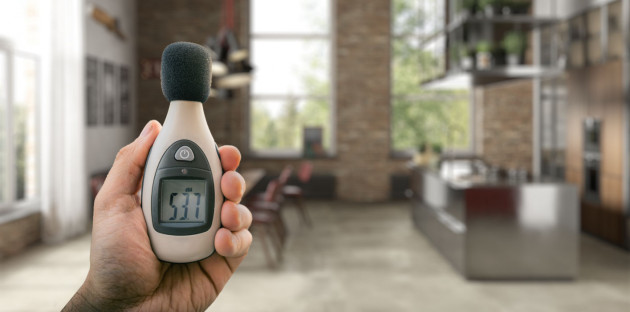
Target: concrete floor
356 258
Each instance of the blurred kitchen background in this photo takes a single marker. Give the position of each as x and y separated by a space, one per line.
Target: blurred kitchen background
408 155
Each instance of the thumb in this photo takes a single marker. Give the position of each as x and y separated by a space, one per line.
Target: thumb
126 173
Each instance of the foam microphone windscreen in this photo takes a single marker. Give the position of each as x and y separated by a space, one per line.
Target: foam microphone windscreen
186 72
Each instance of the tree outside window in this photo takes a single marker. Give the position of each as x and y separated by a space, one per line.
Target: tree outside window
421 116
291 86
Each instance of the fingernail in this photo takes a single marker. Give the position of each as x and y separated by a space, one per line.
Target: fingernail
146 130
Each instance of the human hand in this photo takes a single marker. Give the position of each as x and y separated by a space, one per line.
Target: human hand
125 273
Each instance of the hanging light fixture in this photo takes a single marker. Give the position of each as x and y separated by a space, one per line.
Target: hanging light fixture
230 64
219 69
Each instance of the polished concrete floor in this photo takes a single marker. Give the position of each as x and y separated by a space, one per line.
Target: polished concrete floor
356 258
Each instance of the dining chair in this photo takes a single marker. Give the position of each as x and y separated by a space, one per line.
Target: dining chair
296 193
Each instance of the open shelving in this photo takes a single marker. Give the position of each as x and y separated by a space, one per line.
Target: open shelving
554 44
464 30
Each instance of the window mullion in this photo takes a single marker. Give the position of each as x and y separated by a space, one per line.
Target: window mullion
289 96
9 132
4 166
286 36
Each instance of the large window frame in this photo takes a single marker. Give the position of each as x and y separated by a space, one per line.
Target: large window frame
9 200
427 37
329 37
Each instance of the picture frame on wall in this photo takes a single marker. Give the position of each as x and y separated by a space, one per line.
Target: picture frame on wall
91 91
124 95
313 138
109 93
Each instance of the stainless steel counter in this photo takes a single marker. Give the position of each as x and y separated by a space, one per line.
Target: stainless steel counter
498 229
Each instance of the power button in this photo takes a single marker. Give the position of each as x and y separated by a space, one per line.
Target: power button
184 153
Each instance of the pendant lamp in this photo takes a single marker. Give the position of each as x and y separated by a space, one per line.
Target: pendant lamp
230 64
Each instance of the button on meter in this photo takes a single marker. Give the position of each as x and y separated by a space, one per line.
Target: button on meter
184 153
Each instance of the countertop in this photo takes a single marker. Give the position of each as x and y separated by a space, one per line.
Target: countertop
467 181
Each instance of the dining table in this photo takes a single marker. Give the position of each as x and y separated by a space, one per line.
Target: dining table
251 177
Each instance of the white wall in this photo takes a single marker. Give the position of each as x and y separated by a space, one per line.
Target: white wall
103 142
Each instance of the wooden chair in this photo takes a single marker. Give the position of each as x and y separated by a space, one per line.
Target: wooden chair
262 227
275 196
267 222
296 193
268 204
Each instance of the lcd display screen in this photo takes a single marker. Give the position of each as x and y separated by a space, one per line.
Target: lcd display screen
183 201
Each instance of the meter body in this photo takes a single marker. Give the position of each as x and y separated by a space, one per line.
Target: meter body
181 189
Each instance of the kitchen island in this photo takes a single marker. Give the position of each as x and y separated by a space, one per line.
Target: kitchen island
497 228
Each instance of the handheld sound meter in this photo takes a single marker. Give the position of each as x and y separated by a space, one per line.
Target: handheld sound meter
181 188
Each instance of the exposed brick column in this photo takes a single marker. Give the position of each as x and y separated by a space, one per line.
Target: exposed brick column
506 124
362 96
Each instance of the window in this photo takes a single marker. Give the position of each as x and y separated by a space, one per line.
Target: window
553 102
20 45
421 116
291 89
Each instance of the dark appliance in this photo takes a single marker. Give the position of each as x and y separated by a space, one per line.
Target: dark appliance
592 159
592 131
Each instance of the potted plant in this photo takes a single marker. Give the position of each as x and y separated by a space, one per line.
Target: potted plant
465 7
423 154
516 6
489 7
466 61
437 148
514 45
484 56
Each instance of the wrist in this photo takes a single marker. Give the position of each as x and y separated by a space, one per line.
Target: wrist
88 299
82 301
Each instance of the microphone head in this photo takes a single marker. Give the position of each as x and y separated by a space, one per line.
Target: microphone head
186 72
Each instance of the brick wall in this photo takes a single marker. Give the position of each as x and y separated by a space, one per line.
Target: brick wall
478 118
18 234
363 106
362 165
505 118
